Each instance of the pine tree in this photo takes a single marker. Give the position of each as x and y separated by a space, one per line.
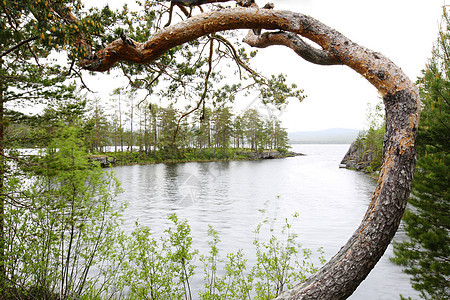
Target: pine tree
253 127
223 127
426 253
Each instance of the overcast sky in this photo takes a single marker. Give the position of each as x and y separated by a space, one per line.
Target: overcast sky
402 30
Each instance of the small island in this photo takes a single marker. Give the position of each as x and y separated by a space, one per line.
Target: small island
119 159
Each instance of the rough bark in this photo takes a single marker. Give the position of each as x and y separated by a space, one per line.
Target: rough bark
345 271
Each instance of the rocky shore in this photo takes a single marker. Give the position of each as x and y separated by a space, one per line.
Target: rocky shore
358 158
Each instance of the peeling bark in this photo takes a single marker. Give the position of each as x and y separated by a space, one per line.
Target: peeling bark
350 266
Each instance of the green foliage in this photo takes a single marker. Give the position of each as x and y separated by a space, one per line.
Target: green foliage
374 143
235 283
223 127
56 25
159 268
183 155
426 251
276 91
38 130
157 135
253 127
64 227
276 269
179 246
162 268
31 30
369 143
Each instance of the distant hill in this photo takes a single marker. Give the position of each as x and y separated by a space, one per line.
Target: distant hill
327 136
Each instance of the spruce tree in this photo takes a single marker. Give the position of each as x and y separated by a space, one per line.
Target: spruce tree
425 254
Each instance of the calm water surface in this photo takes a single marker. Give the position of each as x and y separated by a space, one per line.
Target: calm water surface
235 196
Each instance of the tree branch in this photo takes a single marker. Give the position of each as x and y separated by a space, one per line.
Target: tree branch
205 89
293 41
337 47
236 57
82 81
18 45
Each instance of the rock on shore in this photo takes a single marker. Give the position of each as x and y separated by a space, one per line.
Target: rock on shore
104 160
356 158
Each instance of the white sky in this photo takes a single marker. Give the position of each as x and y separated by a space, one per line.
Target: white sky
402 30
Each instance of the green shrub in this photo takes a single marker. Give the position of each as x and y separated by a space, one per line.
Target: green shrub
65 226
162 268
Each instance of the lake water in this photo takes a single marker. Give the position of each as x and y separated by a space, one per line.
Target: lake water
235 196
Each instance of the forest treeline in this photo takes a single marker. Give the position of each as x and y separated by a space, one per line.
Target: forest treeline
151 131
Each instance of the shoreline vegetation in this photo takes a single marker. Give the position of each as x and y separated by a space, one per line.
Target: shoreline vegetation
187 155
66 240
163 134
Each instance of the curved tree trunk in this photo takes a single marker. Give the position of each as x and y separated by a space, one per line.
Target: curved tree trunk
349 267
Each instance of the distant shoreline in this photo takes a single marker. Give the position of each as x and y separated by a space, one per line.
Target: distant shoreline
327 136
319 143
